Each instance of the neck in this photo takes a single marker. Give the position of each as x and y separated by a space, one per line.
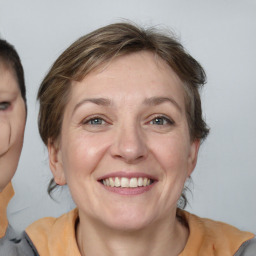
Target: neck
165 237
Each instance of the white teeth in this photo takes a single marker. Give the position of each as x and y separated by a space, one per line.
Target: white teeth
133 183
126 182
117 182
112 183
140 182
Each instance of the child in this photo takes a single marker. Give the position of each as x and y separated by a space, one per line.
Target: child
13 112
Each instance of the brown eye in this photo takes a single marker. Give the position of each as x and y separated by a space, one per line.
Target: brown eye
4 105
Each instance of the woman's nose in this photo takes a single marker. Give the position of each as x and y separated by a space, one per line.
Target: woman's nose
129 144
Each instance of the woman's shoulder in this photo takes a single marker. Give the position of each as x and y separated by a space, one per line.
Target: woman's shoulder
207 234
248 248
207 225
42 234
48 224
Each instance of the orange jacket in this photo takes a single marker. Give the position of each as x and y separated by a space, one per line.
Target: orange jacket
56 236
5 197
10 243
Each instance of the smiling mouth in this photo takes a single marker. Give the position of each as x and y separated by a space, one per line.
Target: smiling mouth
124 182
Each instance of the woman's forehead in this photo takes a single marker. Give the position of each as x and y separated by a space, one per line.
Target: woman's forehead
8 80
131 79
141 66
144 57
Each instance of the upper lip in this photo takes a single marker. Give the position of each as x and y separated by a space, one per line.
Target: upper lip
128 175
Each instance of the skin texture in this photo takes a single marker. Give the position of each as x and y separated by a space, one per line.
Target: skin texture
135 129
12 124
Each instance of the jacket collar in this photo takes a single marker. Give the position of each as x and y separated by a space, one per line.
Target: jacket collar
211 238
5 197
56 236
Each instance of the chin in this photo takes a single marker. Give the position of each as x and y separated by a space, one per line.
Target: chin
128 220
128 225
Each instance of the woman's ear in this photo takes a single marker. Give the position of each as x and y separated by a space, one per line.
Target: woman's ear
55 162
194 148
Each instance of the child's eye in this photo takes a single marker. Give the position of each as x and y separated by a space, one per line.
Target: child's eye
4 105
161 120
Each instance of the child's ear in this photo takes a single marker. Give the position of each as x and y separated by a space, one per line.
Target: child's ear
55 162
192 159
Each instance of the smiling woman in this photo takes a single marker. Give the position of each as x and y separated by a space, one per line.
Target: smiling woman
120 113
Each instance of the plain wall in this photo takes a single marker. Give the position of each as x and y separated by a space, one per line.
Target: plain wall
220 34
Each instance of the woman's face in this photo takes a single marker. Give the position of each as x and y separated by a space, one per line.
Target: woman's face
125 150
12 124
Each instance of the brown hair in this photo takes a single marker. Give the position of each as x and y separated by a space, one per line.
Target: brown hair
10 57
102 45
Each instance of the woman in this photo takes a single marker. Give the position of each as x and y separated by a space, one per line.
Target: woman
12 124
121 116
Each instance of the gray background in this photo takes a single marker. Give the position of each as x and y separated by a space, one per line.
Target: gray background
220 34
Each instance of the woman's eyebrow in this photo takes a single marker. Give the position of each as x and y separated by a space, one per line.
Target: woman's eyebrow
153 101
98 101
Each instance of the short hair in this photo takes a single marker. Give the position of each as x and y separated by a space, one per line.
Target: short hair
101 46
10 57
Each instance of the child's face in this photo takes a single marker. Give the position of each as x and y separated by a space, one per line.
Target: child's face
12 124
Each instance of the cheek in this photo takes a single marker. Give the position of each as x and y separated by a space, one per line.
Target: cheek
5 129
173 156
172 152
17 123
12 128
17 135
83 153
12 132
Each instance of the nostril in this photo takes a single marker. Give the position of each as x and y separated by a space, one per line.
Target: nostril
129 144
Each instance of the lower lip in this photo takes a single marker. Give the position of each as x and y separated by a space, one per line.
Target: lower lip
129 191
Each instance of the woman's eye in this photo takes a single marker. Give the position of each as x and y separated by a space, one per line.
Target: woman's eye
161 121
4 105
95 121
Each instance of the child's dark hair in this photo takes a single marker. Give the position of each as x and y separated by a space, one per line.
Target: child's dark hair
10 57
